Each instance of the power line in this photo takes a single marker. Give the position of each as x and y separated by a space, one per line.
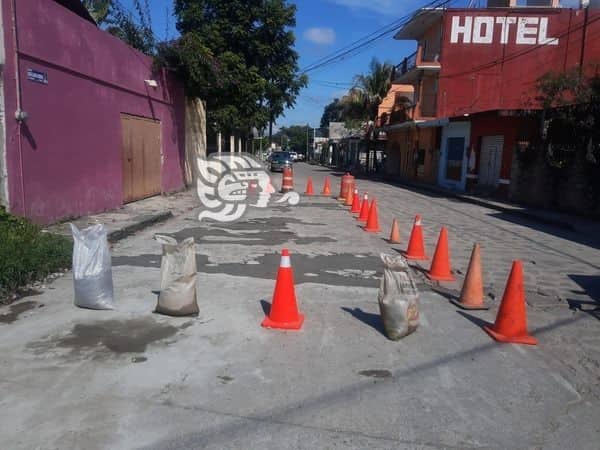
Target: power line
359 45
394 24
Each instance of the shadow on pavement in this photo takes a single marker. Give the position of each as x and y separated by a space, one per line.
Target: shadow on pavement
373 320
475 320
266 306
591 287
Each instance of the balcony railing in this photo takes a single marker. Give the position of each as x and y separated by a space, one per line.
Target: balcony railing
407 64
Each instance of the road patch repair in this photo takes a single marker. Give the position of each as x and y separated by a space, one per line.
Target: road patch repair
129 378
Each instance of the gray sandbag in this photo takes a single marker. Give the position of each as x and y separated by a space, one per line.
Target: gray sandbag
92 270
178 274
398 298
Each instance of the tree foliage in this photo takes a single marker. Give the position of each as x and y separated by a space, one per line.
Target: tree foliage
294 138
332 113
570 100
134 28
98 9
239 57
361 102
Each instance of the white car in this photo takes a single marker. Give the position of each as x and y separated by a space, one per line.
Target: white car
294 156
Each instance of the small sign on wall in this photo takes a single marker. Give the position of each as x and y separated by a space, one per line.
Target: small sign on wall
37 76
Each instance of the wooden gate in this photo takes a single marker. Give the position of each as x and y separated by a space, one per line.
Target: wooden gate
141 157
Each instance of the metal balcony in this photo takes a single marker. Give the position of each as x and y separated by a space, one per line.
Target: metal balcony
407 64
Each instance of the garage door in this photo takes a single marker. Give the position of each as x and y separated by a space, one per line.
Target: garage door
490 161
141 157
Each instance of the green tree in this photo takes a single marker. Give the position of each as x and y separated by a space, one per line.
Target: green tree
238 55
277 59
135 30
98 9
332 113
294 138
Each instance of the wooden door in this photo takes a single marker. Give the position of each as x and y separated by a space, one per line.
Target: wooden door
141 157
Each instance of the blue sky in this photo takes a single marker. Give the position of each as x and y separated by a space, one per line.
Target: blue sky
323 26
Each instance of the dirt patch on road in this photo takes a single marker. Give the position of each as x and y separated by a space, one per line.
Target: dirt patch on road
342 269
16 309
108 338
273 231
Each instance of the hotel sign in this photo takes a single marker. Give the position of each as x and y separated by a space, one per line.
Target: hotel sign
502 30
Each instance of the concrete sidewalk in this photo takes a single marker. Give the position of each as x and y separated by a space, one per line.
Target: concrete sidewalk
135 216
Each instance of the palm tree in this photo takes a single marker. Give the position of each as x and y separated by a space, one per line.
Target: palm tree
373 86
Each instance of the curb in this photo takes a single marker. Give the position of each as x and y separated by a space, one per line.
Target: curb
122 233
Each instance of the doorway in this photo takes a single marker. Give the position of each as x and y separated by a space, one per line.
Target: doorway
490 161
141 157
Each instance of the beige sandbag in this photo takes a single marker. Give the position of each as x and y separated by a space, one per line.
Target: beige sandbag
178 259
178 275
179 297
398 298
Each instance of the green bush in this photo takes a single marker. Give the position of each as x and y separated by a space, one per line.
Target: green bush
27 254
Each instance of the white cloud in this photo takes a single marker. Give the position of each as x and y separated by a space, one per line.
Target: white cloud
323 36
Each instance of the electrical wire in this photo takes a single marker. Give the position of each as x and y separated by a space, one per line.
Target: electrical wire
361 44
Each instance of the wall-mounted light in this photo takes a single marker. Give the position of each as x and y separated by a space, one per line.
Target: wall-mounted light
21 115
151 83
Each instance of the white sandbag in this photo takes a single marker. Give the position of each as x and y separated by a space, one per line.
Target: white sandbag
92 270
398 298
178 274
179 297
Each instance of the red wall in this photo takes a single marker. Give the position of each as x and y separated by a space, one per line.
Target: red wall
66 158
482 76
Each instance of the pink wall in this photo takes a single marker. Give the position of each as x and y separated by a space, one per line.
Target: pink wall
481 76
71 142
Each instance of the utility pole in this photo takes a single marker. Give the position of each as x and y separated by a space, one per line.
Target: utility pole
314 144
306 139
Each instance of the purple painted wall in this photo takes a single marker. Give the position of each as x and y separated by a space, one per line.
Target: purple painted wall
65 160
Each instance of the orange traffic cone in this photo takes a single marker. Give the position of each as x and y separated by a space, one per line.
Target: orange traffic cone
326 187
309 187
395 234
349 196
416 246
373 221
471 295
355 202
440 266
364 209
511 321
284 310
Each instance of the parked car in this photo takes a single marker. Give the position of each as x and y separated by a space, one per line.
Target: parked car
294 156
279 160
